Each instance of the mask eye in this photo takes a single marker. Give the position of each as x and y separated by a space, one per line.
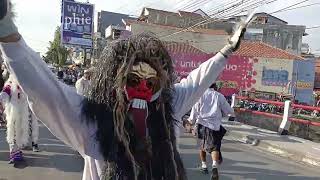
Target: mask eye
153 83
150 83
133 80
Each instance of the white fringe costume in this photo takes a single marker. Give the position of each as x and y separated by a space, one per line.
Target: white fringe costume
21 123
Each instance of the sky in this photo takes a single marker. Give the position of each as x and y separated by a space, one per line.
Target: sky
37 19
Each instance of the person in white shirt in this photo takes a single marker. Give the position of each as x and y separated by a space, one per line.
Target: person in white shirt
83 84
207 113
125 129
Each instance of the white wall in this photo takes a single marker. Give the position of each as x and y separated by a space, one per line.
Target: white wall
206 42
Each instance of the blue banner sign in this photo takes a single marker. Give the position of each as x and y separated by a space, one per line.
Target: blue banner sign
77 23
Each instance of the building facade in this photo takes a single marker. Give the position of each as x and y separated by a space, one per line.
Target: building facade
181 19
266 28
256 67
317 75
207 40
106 19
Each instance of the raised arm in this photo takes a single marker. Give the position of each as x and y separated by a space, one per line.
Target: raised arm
190 89
55 104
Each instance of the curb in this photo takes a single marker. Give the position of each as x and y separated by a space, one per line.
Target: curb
300 157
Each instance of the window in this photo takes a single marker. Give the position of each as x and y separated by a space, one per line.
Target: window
253 34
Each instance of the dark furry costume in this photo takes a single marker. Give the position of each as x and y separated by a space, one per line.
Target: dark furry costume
128 156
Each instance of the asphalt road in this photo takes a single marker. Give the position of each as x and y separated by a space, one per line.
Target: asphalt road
241 161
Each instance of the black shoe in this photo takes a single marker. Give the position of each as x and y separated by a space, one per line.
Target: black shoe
215 174
35 147
204 170
4 8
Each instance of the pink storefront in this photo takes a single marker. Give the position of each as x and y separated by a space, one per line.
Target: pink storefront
255 66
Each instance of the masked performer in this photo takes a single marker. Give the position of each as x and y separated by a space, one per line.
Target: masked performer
21 123
125 128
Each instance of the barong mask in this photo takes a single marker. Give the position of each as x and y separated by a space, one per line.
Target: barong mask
142 83
142 87
133 79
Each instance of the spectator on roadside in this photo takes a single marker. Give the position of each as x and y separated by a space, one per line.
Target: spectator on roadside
82 85
60 74
5 73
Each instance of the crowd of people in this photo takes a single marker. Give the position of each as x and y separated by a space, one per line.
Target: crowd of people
69 75
124 116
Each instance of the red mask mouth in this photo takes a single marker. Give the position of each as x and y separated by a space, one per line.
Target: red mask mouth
141 91
139 113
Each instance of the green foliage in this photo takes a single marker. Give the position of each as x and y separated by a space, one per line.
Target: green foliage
57 54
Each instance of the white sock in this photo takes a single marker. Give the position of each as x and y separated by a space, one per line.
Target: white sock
214 164
204 164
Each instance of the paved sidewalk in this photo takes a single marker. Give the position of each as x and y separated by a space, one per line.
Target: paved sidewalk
294 148
55 161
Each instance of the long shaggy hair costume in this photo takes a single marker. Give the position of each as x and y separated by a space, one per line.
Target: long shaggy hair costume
127 156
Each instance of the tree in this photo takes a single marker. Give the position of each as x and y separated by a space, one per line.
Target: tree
57 54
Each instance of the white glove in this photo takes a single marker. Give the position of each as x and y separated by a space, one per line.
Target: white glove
234 41
7 25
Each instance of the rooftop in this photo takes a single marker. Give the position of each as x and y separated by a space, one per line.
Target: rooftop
182 48
107 18
260 49
181 13
196 30
263 14
247 48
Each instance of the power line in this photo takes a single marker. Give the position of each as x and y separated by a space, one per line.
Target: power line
255 6
183 3
190 2
197 5
314 27
229 10
220 7
309 5
204 21
240 9
289 6
233 9
236 9
252 5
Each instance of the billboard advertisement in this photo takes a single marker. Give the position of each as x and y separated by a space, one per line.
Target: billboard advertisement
186 62
273 75
303 80
237 75
77 23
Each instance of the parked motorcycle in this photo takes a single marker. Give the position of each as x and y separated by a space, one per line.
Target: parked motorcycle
264 107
